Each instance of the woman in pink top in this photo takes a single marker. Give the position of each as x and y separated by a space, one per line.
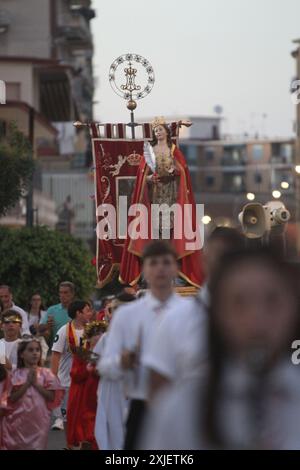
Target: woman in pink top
34 392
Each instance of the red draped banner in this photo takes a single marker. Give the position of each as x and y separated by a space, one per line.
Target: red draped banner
116 161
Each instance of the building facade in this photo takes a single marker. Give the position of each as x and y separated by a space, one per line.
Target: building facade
224 172
46 51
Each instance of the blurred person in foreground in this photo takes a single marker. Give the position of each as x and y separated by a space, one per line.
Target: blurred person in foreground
179 347
132 328
220 241
250 397
112 402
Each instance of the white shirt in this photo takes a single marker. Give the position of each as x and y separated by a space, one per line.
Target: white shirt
61 345
25 325
204 295
179 347
99 349
174 421
34 319
9 350
132 328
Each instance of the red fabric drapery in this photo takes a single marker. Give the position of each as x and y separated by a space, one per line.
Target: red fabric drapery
190 261
118 161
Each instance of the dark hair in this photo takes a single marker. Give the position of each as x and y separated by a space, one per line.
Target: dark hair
154 141
5 286
3 372
159 248
125 297
74 307
231 237
21 348
42 307
217 347
68 284
9 313
141 293
1 306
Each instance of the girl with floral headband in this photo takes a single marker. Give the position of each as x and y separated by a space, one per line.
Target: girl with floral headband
33 392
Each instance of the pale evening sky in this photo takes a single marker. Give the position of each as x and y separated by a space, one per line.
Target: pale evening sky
235 53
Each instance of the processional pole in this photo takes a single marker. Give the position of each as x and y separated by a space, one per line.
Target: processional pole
131 91
135 65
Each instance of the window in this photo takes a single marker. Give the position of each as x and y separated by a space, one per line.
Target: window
257 178
209 153
194 180
78 160
183 149
215 132
237 182
257 152
233 155
191 154
13 91
286 152
233 183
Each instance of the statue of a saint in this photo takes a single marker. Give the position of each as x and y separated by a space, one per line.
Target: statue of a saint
163 179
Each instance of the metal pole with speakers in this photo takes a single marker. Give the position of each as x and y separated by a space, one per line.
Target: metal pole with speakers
265 222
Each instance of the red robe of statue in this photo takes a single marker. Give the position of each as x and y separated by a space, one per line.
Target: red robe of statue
190 261
82 405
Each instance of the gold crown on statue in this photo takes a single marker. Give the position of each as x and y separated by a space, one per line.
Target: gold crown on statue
158 121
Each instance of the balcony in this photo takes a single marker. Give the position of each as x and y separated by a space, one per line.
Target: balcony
234 183
283 154
84 9
235 157
74 28
55 95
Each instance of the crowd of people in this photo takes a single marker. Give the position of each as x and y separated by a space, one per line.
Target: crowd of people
157 370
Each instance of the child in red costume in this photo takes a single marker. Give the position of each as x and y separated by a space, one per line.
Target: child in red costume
82 403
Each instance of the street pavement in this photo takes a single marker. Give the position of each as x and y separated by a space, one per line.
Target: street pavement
56 440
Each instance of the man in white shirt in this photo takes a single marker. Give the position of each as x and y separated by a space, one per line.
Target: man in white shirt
132 329
11 326
67 339
179 348
6 298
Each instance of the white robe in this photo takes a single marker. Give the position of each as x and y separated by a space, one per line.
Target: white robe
111 410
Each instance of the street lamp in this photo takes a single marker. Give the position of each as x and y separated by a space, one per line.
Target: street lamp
250 196
276 194
206 220
285 185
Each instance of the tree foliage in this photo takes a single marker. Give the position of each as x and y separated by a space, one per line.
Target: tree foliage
38 259
16 167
